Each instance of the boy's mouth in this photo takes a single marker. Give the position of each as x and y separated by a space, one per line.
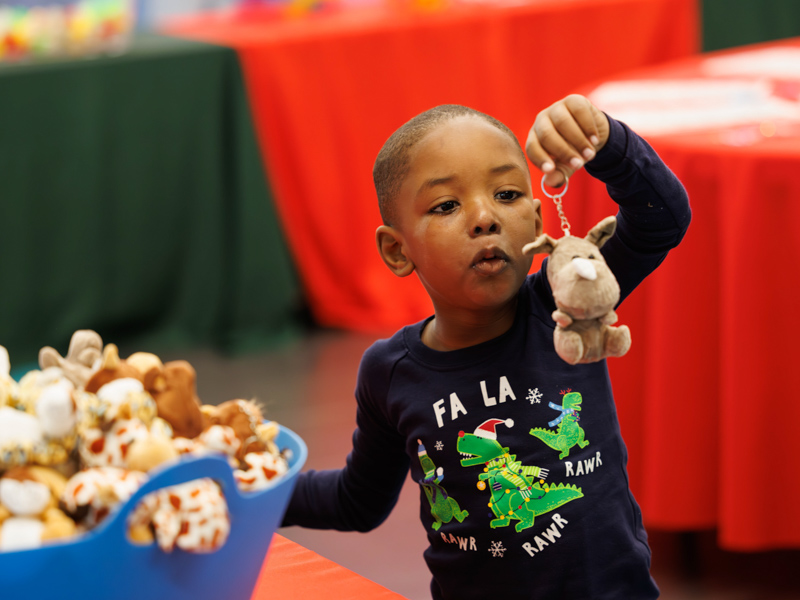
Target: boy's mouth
490 261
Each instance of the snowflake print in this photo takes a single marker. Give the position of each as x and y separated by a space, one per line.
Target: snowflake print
497 549
439 446
535 396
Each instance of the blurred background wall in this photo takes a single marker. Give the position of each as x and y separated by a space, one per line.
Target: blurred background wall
726 23
167 131
185 109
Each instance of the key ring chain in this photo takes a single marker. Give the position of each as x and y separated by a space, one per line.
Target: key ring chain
557 201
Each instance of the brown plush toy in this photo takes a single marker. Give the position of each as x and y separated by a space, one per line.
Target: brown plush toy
585 292
112 367
174 390
246 420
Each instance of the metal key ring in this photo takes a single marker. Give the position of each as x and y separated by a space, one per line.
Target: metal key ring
560 195
557 201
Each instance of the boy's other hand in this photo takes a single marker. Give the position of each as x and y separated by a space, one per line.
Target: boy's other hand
565 136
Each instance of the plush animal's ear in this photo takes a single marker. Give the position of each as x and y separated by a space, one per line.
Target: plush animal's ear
48 357
544 244
5 362
602 232
85 347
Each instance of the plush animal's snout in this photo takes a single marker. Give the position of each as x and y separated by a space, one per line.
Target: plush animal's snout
585 268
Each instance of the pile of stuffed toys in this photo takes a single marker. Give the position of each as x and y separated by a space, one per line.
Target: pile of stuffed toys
79 435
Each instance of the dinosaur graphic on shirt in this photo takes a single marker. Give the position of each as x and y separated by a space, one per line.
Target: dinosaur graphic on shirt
443 507
515 494
569 433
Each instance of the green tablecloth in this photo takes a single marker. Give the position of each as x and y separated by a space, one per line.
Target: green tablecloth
133 201
729 23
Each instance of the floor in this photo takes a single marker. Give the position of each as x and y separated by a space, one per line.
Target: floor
308 387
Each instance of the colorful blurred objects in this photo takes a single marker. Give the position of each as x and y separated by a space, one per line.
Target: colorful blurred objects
430 4
296 8
293 8
36 30
299 7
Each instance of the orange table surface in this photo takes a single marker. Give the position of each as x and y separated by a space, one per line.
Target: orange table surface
702 395
292 571
326 91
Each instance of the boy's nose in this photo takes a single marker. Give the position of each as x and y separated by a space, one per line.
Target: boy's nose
485 221
480 230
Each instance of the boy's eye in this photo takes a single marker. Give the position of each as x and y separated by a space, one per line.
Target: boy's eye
507 195
445 207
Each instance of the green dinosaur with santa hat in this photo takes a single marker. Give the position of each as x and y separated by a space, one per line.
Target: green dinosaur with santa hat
518 491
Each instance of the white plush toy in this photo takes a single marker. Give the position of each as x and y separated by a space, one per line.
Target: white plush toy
38 421
29 515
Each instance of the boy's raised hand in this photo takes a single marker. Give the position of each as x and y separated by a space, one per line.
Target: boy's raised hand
565 136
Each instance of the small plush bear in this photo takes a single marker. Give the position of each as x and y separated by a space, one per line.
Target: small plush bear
585 292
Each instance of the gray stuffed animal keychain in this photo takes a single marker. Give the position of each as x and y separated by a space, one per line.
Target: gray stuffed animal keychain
585 291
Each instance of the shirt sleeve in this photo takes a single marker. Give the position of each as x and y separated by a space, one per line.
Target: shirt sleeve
360 496
654 211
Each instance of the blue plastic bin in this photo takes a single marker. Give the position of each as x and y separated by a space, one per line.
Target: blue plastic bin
104 565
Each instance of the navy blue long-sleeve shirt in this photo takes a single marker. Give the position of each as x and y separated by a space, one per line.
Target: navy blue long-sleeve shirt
518 455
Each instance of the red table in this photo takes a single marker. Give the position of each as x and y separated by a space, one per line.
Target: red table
328 90
292 571
702 396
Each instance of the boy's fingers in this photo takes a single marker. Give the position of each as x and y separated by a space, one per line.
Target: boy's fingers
557 178
549 150
537 154
565 136
568 142
554 174
585 114
556 132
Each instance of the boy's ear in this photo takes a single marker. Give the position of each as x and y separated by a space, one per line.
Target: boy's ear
539 221
390 246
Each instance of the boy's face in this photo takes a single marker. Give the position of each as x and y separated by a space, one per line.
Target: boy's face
464 212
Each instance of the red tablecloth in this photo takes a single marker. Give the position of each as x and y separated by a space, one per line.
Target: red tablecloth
328 90
708 422
293 572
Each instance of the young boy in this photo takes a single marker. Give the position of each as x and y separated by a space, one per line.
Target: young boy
456 397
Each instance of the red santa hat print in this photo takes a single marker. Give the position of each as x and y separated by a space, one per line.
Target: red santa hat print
487 429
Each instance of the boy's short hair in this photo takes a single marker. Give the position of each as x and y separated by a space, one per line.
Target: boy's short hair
392 164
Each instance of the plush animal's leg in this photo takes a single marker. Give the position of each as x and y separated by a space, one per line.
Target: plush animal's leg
617 340
569 345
